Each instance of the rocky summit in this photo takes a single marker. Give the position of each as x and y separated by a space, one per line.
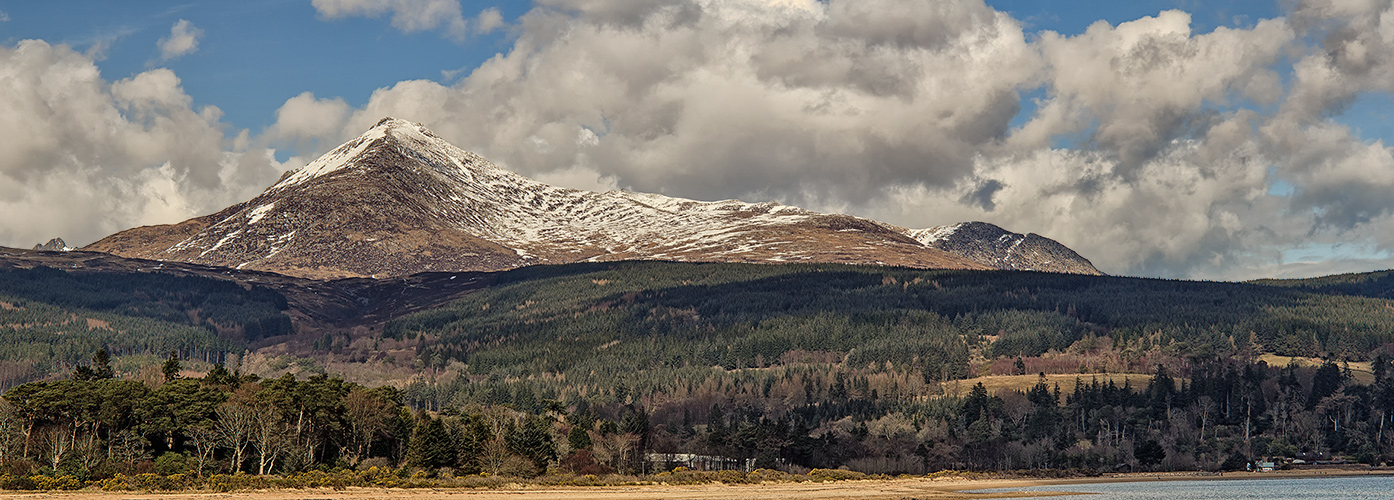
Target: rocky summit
399 200
54 245
998 248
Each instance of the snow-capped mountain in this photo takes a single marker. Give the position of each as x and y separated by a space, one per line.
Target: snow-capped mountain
1001 249
398 200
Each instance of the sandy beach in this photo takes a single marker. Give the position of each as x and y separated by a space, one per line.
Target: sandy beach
944 488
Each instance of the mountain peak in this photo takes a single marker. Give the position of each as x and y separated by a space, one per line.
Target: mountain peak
398 128
999 248
54 245
413 141
400 200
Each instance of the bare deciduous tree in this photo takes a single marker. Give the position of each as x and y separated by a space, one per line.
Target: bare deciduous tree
236 425
56 444
367 417
269 438
493 456
615 450
128 445
204 440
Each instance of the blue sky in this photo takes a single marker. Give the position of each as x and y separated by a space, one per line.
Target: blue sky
255 54
1220 140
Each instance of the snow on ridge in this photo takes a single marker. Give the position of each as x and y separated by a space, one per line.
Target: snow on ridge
259 212
338 159
531 218
497 204
933 234
221 242
528 213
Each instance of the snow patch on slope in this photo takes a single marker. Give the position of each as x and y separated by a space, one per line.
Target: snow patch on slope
933 234
338 159
257 213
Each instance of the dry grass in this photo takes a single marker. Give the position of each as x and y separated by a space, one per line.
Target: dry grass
996 384
1359 369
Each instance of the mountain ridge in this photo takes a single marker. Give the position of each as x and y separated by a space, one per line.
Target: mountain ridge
398 200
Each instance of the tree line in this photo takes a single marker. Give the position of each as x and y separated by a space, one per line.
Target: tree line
1225 416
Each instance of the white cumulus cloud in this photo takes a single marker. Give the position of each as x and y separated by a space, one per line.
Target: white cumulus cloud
182 40
86 157
488 20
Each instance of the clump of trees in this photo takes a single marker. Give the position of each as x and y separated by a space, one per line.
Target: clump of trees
93 427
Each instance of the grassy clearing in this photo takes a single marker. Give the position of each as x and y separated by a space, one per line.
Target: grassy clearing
1360 370
997 384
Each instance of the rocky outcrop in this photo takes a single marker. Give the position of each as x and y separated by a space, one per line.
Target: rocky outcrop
54 245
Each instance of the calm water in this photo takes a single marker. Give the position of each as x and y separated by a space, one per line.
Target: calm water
1342 488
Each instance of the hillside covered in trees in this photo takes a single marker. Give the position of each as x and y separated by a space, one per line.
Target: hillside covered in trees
51 320
590 368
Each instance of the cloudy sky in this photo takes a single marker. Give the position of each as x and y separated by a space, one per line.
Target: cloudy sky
1174 138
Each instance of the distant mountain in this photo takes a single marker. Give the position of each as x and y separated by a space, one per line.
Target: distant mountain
1001 249
54 245
398 200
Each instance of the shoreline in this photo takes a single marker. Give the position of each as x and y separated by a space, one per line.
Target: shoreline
969 485
924 488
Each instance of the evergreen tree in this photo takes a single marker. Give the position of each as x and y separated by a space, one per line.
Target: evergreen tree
430 444
219 375
578 438
83 373
533 441
1149 453
171 367
101 365
1325 382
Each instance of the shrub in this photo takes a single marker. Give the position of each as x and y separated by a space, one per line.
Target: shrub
762 475
171 463
36 482
237 482
834 475
55 483
117 482
583 462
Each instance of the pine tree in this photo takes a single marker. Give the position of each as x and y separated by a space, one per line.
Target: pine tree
578 438
83 373
172 366
101 365
430 444
533 441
